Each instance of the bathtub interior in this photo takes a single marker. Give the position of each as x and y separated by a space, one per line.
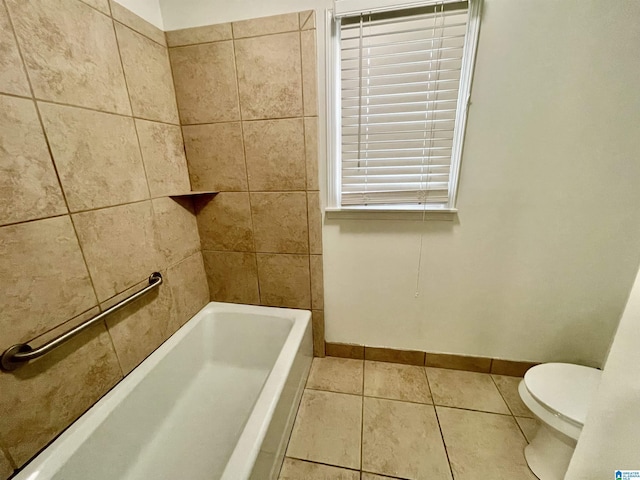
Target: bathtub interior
184 416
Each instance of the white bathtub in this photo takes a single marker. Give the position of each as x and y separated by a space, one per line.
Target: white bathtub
216 400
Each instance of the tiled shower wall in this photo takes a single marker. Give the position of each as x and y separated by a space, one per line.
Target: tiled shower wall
247 99
90 149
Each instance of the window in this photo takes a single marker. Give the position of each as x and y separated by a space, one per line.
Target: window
402 79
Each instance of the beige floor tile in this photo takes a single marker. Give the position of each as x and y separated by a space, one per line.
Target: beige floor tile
508 387
483 445
373 476
475 391
529 427
402 439
327 429
293 469
396 381
342 375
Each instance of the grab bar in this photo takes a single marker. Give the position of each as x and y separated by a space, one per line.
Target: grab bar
14 356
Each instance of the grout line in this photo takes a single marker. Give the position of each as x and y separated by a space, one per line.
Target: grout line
31 220
115 351
302 24
98 10
364 366
325 464
82 107
246 170
250 120
435 411
139 32
509 408
233 37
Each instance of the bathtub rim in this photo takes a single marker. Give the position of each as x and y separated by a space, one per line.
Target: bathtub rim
240 465
48 462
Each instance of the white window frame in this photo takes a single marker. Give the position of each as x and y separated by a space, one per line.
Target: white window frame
345 8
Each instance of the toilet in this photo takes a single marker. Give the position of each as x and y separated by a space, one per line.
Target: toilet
559 395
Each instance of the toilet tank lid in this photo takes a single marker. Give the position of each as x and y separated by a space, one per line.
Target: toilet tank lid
564 388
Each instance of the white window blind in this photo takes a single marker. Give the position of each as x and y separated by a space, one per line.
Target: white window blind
400 76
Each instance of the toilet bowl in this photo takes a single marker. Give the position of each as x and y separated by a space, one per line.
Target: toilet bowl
558 394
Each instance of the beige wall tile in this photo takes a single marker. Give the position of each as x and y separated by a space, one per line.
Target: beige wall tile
215 154
43 279
293 469
102 5
287 22
309 20
317 319
317 282
97 156
12 76
55 390
510 367
280 222
269 76
284 280
176 229
508 387
141 327
164 159
483 445
140 25
327 429
119 246
148 73
315 223
275 154
407 357
309 75
396 382
311 152
205 81
475 391
6 469
206 34
342 375
189 290
224 222
232 277
458 362
28 181
403 440
303 17
344 350
71 53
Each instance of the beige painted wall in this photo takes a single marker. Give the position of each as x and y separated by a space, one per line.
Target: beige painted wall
543 253
539 262
610 437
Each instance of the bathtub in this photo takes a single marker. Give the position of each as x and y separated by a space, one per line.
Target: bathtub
216 400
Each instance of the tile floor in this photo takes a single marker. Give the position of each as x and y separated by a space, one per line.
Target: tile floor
364 420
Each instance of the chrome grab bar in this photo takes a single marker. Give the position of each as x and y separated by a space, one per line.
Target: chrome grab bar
15 355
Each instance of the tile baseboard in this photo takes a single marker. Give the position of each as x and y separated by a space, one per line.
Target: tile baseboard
439 360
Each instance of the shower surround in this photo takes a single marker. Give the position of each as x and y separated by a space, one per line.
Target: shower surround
92 169
247 99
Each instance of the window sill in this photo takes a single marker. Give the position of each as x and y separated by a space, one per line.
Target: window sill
390 213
